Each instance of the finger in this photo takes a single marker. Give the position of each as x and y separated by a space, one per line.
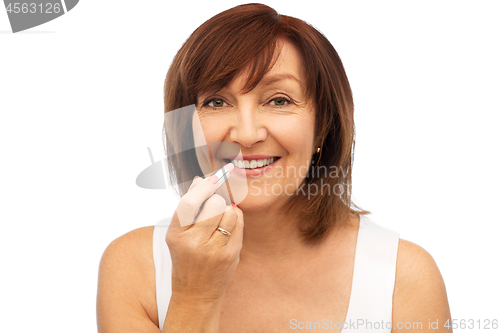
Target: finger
195 182
228 223
175 226
236 238
190 203
209 218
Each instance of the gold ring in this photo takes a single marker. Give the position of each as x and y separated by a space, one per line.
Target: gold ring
225 232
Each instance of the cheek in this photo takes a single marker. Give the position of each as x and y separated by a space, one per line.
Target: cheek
296 135
205 131
198 134
208 129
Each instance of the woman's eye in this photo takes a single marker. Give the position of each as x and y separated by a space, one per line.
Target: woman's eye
216 103
219 103
280 101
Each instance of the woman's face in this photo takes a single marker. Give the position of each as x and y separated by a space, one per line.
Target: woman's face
273 123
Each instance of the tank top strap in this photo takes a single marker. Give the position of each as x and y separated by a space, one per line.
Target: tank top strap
373 280
163 269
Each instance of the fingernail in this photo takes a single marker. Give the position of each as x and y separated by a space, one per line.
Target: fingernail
213 179
196 177
229 167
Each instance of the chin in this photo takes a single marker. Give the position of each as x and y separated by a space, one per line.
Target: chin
254 202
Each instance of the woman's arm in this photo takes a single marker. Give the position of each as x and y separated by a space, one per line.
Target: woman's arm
204 261
419 295
126 272
126 292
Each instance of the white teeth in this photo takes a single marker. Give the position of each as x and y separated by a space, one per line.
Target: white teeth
253 163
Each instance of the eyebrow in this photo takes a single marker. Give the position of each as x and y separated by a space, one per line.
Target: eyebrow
268 80
278 77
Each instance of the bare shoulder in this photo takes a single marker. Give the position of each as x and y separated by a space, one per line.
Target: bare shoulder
126 295
414 260
134 243
419 292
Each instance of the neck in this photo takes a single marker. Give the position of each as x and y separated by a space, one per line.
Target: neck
269 239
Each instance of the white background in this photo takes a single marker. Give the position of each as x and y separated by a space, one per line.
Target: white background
81 100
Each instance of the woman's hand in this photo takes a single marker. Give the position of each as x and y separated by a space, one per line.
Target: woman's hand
204 260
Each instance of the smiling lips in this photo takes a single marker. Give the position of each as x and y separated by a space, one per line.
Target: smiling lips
253 165
253 162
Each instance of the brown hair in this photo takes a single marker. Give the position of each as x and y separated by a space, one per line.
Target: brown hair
247 36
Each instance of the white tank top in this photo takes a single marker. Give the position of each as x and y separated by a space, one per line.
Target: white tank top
370 304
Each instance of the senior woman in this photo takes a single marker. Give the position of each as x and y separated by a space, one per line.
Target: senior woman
295 252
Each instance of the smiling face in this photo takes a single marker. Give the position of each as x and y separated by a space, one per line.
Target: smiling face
273 126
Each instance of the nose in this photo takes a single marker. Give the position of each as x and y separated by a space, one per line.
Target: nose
248 127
